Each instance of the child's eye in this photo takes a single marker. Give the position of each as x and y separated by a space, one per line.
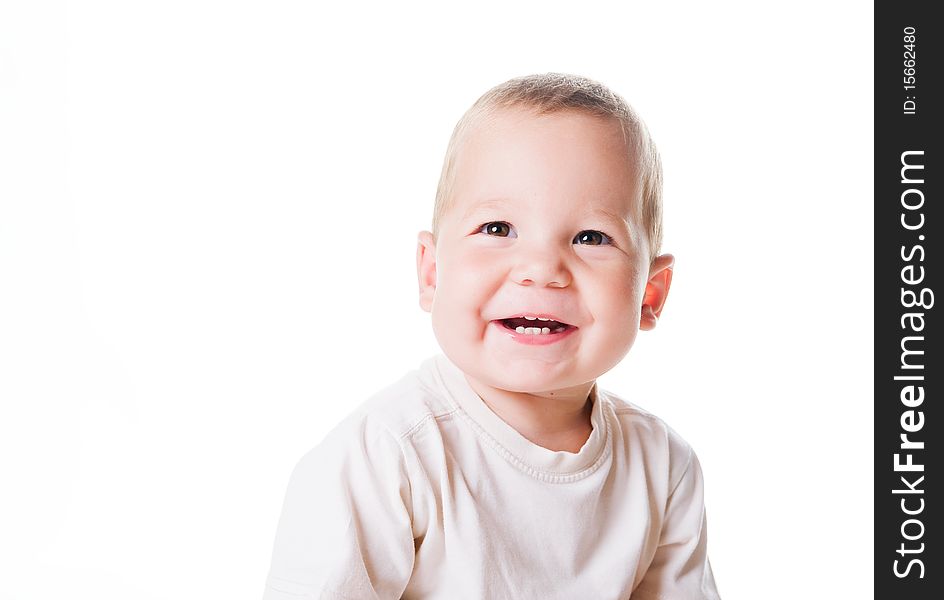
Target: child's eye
497 228
590 237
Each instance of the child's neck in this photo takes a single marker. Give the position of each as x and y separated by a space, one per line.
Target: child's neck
558 420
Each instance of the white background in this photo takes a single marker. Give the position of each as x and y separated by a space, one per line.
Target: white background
208 214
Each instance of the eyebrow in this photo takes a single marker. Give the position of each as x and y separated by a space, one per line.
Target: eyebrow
500 202
491 203
609 215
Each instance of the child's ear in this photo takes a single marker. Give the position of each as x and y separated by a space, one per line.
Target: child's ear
657 290
426 269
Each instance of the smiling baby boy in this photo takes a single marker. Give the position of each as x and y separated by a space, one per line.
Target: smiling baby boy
499 469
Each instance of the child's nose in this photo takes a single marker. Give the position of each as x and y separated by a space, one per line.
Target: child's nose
541 267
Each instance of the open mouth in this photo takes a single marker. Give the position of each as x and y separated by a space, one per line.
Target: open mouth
535 325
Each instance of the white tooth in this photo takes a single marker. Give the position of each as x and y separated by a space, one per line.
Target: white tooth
559 329
533 330
519 329
543 319
530 318
545 330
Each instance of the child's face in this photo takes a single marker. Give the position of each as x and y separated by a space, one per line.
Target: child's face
544 222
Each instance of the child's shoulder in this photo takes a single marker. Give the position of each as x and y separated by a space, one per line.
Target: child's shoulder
640 428
395 411
633 413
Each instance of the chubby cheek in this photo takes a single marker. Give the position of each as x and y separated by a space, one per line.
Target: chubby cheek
617 305
464 284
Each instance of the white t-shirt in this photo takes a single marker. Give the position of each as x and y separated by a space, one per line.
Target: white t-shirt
425 493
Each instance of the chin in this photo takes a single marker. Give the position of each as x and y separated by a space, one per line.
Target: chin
533 381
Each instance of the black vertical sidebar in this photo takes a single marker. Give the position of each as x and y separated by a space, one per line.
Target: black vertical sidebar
909 370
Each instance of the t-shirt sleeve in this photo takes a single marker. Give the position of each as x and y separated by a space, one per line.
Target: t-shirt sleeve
345 530
680 569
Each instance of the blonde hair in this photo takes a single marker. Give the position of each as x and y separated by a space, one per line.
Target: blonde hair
554 92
